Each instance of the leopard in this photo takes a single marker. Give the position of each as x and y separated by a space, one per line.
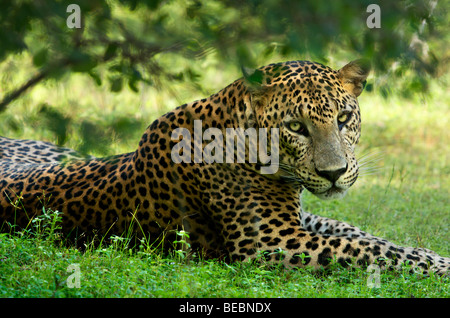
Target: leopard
229 209
33 151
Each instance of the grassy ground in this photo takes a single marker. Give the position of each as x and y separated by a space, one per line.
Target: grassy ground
403 197
31 268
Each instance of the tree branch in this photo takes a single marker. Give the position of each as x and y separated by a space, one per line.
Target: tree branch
15 94
42 75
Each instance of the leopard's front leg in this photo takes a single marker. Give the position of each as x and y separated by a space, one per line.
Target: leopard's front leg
327 226
296 246
259 218
280 236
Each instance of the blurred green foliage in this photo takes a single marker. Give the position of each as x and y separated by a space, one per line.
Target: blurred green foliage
127 36
130 44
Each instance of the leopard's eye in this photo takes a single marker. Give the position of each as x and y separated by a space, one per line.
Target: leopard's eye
298 128
343 119
295 126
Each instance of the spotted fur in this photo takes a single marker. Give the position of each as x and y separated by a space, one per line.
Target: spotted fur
30 151
229 209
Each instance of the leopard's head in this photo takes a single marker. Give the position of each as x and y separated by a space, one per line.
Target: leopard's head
317 113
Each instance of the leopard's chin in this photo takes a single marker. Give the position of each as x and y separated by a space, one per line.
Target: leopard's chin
334 192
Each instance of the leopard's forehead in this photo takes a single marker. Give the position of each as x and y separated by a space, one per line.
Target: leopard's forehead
308 88
296 69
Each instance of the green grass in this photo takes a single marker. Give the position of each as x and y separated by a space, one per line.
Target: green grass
39 268
405 199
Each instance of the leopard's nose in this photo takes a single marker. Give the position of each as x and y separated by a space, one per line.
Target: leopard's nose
332 175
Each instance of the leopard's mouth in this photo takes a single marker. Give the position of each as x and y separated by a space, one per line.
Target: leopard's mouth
333 192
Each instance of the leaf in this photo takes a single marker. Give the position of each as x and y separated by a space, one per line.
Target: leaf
134 78
132 85
94 138
110 51
116 84
254 77
95 77
55 121
368 87
40 58
82 62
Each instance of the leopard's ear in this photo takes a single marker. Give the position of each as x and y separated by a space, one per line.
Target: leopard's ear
256 97
353 76
253 78
254 82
